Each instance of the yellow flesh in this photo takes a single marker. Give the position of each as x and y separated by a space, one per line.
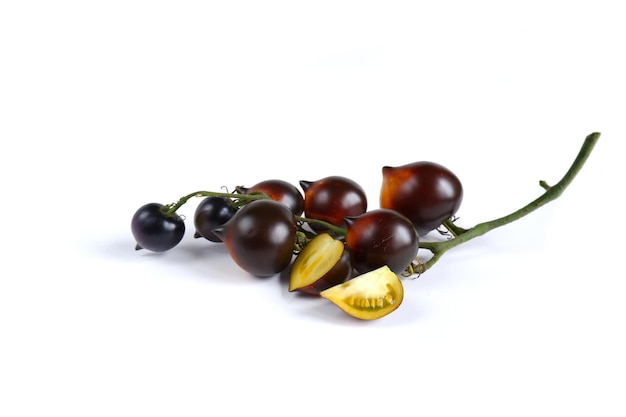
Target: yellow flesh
369 296
315 260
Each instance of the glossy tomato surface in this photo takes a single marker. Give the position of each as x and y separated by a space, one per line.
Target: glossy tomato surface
260 237
425 192
381 237
333 198
279 190
211 213
154 231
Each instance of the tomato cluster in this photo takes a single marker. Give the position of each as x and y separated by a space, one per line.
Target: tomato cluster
333 245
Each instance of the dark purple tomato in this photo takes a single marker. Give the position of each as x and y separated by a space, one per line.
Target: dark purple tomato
332 198
281 191
211 213
425 192
154 231
260 237
381 237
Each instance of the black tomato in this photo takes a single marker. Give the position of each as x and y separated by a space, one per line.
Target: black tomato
154 231
425 192
211 213
332 198
381 237
281 191
260 237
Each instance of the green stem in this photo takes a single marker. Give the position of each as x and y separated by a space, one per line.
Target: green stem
170 209
453 228
551 193
334 230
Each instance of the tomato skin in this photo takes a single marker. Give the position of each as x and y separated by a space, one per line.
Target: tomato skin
281 191
155 231
211 213
369 296
260 237
425 192
381 237
332 198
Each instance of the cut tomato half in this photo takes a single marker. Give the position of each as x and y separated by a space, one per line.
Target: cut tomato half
369 296
323 263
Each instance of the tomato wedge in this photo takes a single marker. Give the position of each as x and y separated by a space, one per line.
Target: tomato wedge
369 296
323 263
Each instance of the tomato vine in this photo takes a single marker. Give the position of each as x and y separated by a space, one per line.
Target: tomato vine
457 235
461 235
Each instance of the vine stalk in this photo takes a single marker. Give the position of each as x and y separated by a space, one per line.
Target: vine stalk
170 209
238 200
460 235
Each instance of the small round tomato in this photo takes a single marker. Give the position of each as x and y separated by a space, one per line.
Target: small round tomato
155 231
381 237
369 296
281 191
211 213
260 237
332 198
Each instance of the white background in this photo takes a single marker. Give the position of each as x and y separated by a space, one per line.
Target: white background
105 106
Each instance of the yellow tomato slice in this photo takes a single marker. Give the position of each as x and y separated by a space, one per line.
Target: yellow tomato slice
315 261
368 296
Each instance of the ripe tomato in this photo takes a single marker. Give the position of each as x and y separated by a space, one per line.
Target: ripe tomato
281 191
425 192
211 213
260 237
333 198
155 231
381 237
